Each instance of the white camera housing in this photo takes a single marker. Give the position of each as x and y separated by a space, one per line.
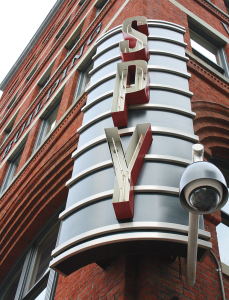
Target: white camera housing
203 188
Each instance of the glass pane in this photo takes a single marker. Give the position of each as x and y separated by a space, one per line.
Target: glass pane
223 240
51 121
73 44
203 51
41 295
13 288
44 255
6 136
11 171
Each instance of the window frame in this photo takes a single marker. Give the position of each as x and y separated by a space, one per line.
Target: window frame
45 76
72 44
222 65
26 263
99 5
12 169
63 27
82 79
32 71
226 3
12 100
42 133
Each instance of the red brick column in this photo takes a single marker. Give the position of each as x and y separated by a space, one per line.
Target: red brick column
90 17
61 56
3 172
68 94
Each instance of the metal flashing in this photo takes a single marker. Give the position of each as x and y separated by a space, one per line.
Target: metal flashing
128 226
125 237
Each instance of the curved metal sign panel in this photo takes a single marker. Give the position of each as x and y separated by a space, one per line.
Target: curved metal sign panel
135 142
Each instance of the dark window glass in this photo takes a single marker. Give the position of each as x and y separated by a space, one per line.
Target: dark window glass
44 256
47 124
84 79
63 28
11 171
13 288
73 43
100 6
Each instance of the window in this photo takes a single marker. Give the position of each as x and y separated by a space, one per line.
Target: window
33 280
74 38
32 72
41 85
100 5
226 2
45 77
209 50
72 43
47 125
9 127
11 171
12 289
62 29
43 256
84 79
7 131
12 101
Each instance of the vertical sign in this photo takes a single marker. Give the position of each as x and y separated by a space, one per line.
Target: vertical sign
131 88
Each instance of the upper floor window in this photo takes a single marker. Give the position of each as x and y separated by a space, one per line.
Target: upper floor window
12 288
33 280
12 100
72 43
84 79
12 169
226 2
47 125
100 5
9 127
209 50
7 132
32 71
45 77
62 29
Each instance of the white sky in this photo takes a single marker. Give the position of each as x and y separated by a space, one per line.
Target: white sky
19 20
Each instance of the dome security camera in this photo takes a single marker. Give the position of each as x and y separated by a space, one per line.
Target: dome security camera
203 188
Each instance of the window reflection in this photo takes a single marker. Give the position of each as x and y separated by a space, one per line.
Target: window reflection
44 256
13 288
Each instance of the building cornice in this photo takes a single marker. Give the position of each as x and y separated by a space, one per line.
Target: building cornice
31 44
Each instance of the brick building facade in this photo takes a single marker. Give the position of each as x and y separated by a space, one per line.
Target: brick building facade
40 114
